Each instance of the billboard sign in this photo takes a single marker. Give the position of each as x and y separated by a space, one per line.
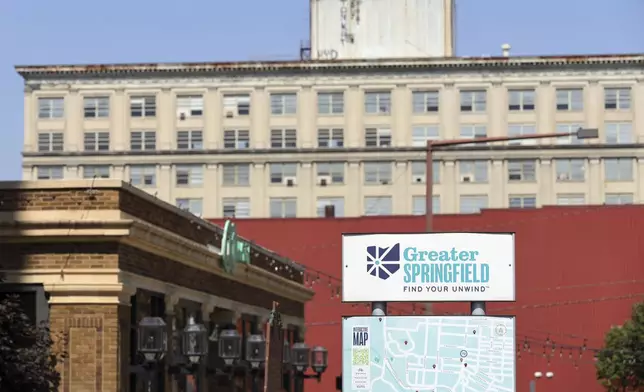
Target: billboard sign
428 267
428 353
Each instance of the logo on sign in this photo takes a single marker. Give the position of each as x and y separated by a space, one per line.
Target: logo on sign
383 262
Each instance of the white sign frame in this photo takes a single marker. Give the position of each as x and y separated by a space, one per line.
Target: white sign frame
493 258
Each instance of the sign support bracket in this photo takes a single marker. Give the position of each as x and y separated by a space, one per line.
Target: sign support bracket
378 308
478 308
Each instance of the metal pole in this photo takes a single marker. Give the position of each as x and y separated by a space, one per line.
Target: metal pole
378 308
477 308
533 386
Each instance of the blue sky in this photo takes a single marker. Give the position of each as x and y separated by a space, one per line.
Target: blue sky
75 31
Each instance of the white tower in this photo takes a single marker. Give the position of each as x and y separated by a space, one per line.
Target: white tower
371 29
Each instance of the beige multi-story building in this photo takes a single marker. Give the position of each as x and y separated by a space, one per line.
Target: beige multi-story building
287 138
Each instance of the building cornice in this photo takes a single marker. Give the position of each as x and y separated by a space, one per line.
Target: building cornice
250 68
312 155
149 238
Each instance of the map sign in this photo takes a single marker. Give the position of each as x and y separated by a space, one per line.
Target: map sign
428 354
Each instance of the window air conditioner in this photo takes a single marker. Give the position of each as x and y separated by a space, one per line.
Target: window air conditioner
230 114
324 180
563 177
467 178
182 114
289 181
419 179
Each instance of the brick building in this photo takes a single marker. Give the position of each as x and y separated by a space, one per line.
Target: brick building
94 257
579 272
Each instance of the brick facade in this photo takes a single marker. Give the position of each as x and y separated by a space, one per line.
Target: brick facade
98 329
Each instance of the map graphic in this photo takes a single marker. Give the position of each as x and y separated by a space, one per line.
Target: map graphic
428 354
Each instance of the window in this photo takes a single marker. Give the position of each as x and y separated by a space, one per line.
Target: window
283 173
377 137
521 100
378 205
330 172
422 133
189 106
617 98
618 169
50 141
236 174
336 202
418 205
96 107
50 172
474 101
522 201
472 204
619 133
96 141
522 170
419 169
236 139
189 140
473 171
283 138
143 175
236 105
236 207
283 207
377 102
573 199
330 103
143 140
189 175
143 106
331 138
193 205
51 108
521 130
377 173
570 100
619 198
570 170
425 101
568 128
283 104
473 131
96 171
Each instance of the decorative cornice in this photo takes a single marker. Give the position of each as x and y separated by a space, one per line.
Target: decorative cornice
446 64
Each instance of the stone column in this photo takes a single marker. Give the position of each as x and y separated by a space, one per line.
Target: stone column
74 121
306 181
30 114
596 182
401 199
120 114
546 194
354 109
450 196
498 198
353 204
